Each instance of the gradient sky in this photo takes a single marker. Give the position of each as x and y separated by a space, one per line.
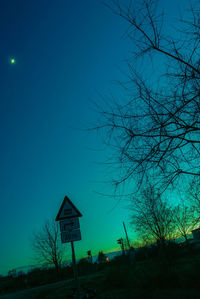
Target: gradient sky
65 52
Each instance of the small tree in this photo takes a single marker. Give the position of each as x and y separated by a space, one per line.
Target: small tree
47 245
194 200
152 217
101 257
84 266
12 273
184 220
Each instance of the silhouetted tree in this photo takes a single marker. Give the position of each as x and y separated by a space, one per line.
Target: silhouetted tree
184 220
47 245
84 266
193 197
152 217
101 257
12 273
156 130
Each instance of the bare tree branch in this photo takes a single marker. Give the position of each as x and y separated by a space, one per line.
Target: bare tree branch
157 131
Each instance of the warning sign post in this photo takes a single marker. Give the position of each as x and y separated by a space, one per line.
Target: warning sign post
68 216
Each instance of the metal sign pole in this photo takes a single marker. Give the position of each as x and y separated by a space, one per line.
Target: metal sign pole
70 231
76 283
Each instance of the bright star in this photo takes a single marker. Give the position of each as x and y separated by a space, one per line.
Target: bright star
12 60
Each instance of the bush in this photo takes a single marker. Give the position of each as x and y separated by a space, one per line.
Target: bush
149 274
118 276
85 266
120 259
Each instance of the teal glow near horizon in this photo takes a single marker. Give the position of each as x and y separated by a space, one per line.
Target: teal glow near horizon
65 51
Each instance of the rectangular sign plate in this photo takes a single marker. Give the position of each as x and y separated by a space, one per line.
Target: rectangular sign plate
74 235
69 224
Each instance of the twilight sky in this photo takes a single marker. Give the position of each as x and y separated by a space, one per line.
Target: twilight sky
66 51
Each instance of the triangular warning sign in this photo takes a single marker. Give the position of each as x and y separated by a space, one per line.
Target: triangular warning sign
67 210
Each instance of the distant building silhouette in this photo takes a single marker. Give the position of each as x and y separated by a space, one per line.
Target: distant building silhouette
196 234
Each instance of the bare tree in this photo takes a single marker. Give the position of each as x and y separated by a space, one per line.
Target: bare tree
193 197
47 245
156 131
152 217
101 257
184 220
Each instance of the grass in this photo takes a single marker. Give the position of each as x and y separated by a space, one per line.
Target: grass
156 278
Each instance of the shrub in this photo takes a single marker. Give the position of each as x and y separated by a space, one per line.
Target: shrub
118 276
85 266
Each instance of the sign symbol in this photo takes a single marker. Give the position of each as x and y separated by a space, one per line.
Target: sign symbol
69 224
67 210
71 236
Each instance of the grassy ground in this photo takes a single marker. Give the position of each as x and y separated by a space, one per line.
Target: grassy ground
156 278
63 289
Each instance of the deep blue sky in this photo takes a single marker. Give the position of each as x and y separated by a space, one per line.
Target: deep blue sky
65 51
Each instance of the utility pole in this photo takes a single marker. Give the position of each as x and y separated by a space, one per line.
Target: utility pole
126 235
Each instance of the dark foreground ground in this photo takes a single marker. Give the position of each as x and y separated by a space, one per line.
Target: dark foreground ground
63 289
174 276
